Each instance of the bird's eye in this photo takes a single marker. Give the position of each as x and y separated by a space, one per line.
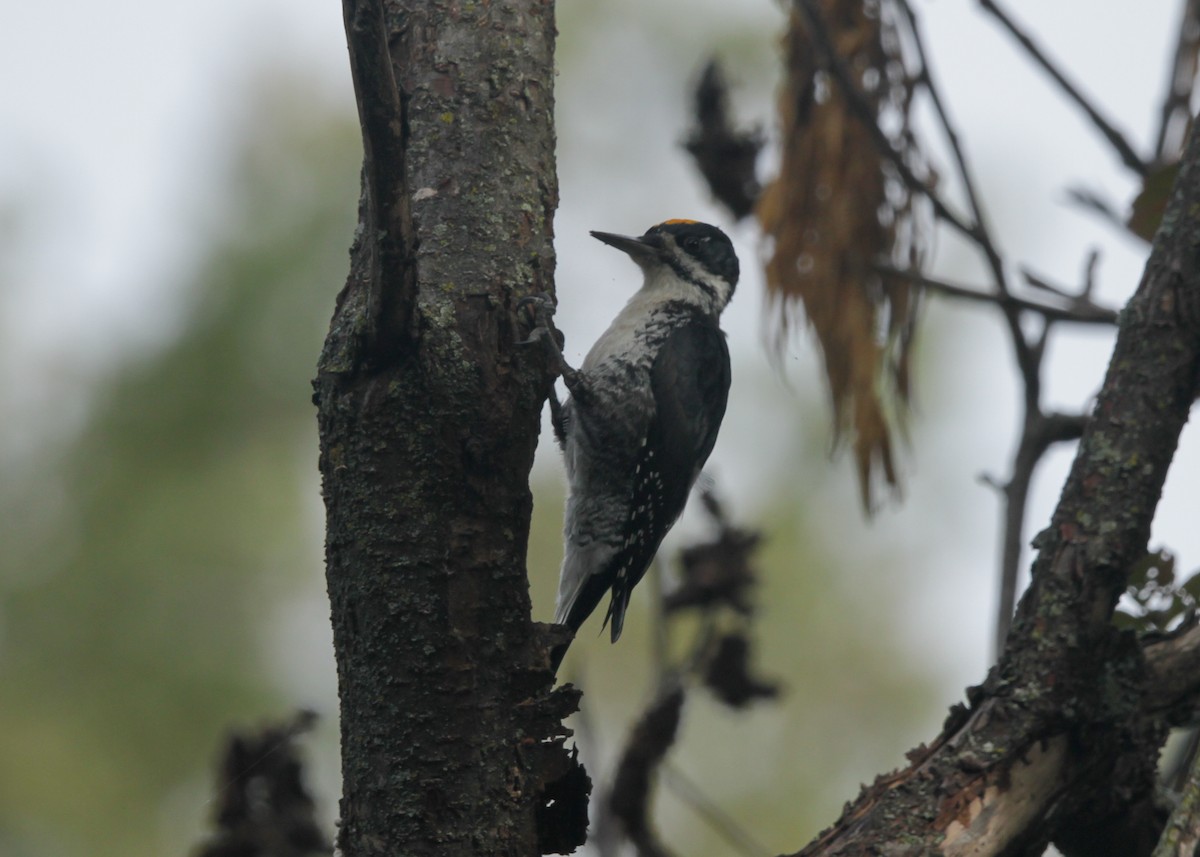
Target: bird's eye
691 243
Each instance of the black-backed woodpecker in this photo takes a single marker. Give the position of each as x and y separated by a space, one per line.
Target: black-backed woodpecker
643 414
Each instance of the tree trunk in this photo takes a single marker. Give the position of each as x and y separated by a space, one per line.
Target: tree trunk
429 416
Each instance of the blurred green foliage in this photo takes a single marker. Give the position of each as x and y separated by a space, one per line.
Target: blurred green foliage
133 605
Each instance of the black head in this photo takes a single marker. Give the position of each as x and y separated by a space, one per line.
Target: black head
697 253
707 244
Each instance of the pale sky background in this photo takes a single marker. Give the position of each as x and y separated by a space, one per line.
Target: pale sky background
111 122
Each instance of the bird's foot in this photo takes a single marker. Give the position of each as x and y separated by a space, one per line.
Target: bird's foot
544 333
543 308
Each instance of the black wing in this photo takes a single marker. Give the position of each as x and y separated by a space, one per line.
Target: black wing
690 382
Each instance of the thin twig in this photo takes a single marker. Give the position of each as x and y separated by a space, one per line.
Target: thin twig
1078 297
1016 497
1089 200
1029 352
1087 313
1030 371
1045 285
1038 434
722 823
1089 273
1114 137
1028 363
982 234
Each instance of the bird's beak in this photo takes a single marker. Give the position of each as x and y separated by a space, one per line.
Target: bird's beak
642 250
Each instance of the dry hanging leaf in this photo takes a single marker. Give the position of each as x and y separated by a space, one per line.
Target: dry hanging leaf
834 210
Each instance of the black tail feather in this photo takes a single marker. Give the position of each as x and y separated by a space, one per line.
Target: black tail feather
616 609
557 653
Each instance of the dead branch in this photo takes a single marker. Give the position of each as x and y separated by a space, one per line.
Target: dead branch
1173 684
1115 138
1081 313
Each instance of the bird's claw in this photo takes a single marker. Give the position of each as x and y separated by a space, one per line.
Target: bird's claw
543 319
543 308
540 299
544 333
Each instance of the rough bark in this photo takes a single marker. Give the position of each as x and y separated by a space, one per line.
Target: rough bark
429 416
1062 737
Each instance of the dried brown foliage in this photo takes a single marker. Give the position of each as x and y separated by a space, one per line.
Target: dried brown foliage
836 208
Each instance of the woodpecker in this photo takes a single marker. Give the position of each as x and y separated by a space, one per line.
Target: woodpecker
642 416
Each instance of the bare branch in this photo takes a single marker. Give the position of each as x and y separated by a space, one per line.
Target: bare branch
982 235
1089 200
1141 408
1114 137
1038 430
1082 314
1028 356
1082 295
1173 666
1038 434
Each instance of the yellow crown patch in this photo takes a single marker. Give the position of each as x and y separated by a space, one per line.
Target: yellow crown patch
673 222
